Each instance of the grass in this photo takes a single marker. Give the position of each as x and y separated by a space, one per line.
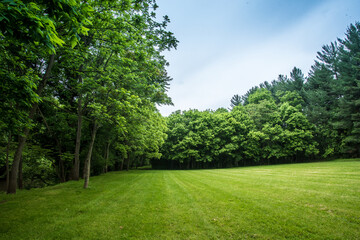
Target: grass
299 201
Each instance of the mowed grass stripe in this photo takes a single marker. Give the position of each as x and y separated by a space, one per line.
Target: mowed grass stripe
299 201
297 180
301 186
65 209
189 221
222 210
295 199
247 204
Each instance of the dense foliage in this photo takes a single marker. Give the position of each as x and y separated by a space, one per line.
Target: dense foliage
80 82
79 86
290 119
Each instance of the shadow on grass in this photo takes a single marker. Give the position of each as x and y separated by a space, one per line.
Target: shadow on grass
347 160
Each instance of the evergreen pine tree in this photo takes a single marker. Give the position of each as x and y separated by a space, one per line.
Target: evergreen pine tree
348 115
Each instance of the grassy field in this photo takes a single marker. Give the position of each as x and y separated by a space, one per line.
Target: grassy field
300 201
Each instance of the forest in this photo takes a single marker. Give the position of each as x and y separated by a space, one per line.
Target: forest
290 119
79 86
81 82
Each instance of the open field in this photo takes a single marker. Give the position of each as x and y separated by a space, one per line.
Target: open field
300 201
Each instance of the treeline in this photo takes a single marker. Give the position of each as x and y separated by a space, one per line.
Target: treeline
291 119
79 86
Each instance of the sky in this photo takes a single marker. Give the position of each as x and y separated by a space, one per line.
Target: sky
226 47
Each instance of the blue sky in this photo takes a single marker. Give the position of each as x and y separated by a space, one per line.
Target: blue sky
226 47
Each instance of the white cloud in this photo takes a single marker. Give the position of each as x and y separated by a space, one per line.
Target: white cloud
211 85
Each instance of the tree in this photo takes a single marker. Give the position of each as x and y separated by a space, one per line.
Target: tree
322 94
235 101
243 125
263 139
28 49
347 120
126 69
64 61
297 136
262 108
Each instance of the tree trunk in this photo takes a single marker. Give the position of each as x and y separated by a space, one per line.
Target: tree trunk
20 182
61 168
107 156
122 164
61 164
22 139
76 166
88 157
7 161
128 162
15 166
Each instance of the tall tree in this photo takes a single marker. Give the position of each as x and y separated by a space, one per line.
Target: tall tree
322 94
31 32
235 101
348 115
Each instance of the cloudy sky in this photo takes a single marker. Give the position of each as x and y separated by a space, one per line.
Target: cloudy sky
226 47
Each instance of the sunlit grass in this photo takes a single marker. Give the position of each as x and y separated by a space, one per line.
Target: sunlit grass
300 201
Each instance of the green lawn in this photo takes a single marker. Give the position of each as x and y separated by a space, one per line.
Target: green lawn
299 201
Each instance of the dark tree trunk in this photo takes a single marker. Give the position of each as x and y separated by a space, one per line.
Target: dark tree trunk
76 166
88 157
122 164
107 157
61 164
128 162
7 161
15 166
61 168
22 139
20 180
